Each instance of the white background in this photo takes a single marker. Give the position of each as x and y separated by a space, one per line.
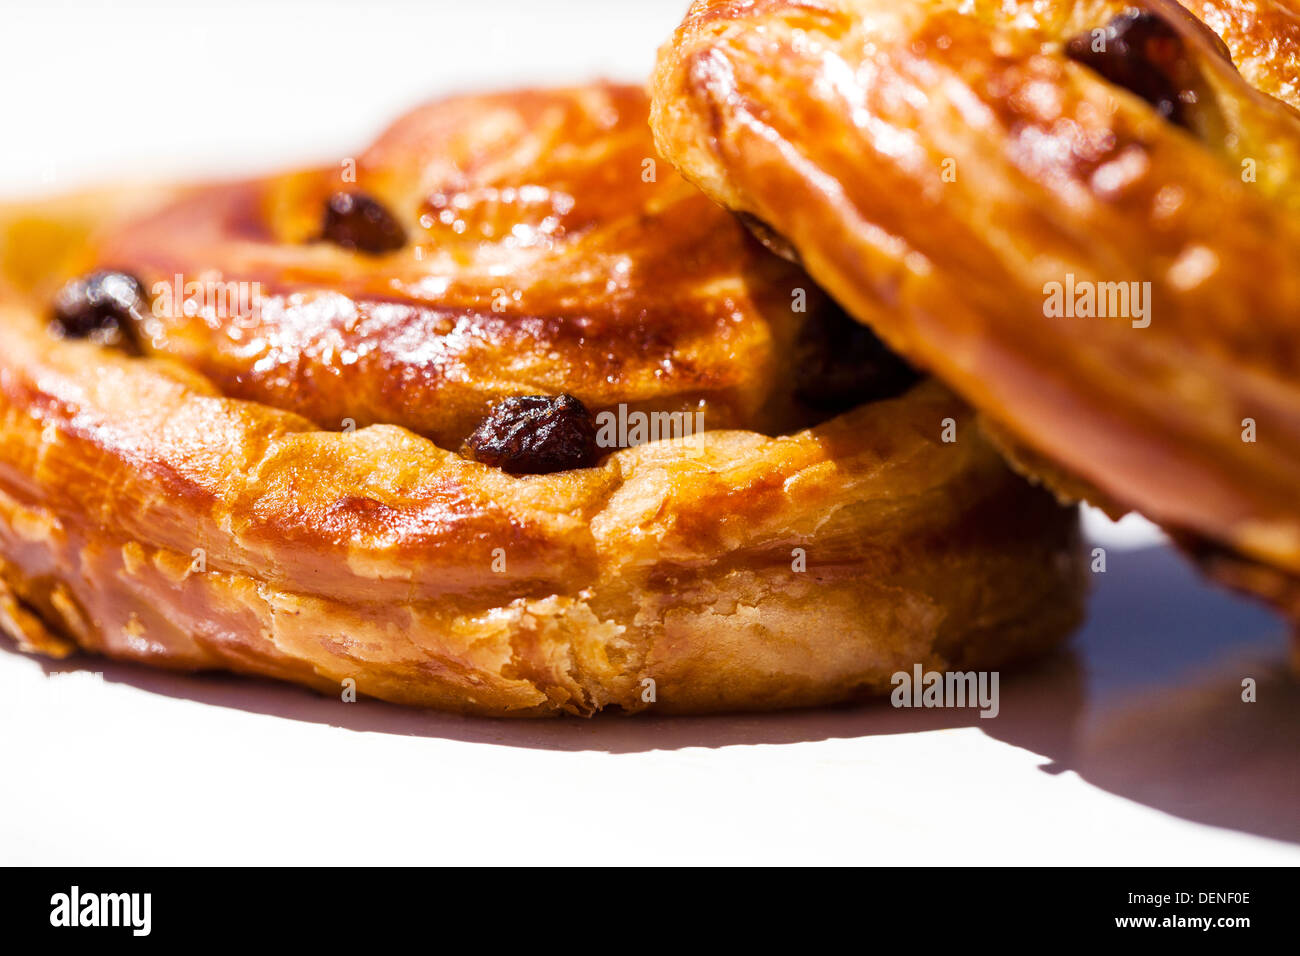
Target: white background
1133 747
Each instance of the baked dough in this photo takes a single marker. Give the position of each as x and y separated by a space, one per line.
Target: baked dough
549 249
164 508
936 166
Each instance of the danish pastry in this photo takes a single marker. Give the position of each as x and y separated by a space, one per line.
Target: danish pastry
1081 216
386 466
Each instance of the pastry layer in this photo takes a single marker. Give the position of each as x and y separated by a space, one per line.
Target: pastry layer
548 249
944 169
152 511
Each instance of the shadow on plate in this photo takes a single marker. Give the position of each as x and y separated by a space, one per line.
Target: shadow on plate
1147 705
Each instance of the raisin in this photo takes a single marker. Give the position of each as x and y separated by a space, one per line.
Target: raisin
535 435
1144 54
358 222
841 364
101 305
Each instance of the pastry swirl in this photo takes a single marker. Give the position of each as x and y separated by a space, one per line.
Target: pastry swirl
943 169
192 500
547 248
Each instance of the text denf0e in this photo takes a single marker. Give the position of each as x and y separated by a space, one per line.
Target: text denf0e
1161 899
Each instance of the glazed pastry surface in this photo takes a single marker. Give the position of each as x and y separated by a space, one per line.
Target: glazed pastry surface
938 166
191 499
547 249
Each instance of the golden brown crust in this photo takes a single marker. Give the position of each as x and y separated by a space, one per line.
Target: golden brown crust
146 515
370 556
834 122
549 249
1264 38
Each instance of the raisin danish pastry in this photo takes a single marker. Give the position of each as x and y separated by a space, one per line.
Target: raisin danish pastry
1080 216
395 463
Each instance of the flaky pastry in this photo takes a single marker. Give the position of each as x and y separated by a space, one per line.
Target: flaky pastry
321 491
1081 216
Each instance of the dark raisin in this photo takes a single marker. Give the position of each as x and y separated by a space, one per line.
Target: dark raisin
101 305
1144 54
355 221
841 364
536 435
